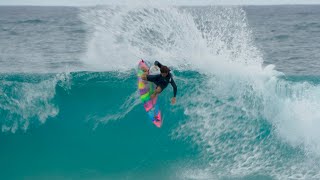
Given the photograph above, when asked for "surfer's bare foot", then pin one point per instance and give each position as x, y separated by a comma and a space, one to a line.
144, 69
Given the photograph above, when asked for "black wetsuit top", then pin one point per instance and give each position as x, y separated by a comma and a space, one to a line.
163, 81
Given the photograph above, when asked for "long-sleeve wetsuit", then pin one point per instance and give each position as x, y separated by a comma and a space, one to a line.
161, 81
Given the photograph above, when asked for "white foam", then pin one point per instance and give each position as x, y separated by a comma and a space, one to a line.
28, 103
238, 98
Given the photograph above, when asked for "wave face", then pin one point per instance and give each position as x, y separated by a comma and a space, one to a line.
80, 117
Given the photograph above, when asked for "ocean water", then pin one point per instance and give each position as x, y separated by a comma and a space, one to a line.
247, 105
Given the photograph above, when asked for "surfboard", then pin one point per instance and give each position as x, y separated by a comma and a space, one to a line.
145, 90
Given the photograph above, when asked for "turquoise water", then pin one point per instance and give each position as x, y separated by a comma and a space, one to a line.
80, 142
247, 103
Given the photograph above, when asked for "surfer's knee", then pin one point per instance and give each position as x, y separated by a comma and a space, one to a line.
159, 89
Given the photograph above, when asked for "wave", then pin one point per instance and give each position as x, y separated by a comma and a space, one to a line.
31, 21
241, 127
26, 99
240, 112
243, 117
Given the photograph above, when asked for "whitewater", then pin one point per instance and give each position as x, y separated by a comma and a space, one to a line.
247, 104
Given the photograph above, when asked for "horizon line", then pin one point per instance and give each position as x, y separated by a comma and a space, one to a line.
51, 5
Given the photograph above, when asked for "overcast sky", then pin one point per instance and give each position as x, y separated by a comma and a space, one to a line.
176, 2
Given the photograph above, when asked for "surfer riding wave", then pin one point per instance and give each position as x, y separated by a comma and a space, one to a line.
161, 80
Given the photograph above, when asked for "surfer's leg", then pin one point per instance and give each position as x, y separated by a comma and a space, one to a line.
156, 92
144, 76
151, 78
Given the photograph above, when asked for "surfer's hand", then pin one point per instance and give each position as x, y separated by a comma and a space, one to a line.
173, 100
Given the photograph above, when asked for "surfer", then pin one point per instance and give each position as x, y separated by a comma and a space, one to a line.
161, 80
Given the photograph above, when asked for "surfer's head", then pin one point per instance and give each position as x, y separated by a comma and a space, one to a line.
164, 71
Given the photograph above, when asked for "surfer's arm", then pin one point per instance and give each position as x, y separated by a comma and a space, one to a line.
157, 63
174, 86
